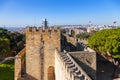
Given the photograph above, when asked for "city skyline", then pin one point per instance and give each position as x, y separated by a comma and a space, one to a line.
21, 13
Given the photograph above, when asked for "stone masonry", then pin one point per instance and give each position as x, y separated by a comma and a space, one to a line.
42, 58
40, 47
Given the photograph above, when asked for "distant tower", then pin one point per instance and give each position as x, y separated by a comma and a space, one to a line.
44, 26
115, 24
90, 23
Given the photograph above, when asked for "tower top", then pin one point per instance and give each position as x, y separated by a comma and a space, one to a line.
45, 24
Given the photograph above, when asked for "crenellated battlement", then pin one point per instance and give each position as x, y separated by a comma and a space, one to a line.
70, 69
35, 34
39, 29
40, 45
42, 60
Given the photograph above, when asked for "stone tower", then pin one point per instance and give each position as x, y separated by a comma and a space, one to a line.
40, 52
45, 24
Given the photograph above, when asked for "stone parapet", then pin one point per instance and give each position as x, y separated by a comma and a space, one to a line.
40, 30
86, 60
71, 40
19, 64
86, 48
70, 70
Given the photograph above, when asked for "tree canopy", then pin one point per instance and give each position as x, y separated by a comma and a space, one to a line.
10, 42
83, 35
3, 33
4, 47
107, 40
63, 31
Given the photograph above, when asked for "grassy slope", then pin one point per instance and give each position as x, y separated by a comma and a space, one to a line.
7, 70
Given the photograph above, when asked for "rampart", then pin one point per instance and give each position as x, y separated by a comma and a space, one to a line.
19, 64
71, 40
86, 59
67, 69
42, 58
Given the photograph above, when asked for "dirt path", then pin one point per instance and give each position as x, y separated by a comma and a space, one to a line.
7, 59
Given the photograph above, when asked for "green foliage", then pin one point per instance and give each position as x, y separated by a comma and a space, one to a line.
10, 42
4, 47
17, 41
7, 70
63, 31
82, 35
106, 40
3, 33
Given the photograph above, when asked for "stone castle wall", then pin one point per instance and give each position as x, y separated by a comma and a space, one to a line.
40, 46
44, 59
71, 40
67, 69
86, 59
19, 64
59, 67
84, 41
33, 44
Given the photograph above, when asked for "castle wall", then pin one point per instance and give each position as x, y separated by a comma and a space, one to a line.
17, 68
19, 64
51, 41
44, 61
33, 64
71, 40
86, 60
40, 46
66, 68
59, 68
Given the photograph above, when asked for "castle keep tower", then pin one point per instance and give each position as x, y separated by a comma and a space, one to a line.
40, 52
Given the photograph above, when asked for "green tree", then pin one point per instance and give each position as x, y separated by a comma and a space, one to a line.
107, 41
63, 31
15, 40
82, 35
3, 33
4, 47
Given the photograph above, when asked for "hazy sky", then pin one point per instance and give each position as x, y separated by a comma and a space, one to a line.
58, 12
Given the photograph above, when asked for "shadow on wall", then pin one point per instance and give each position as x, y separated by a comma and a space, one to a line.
79, 47
65, 45
106, 69
51, 75
91, 72
29, 77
